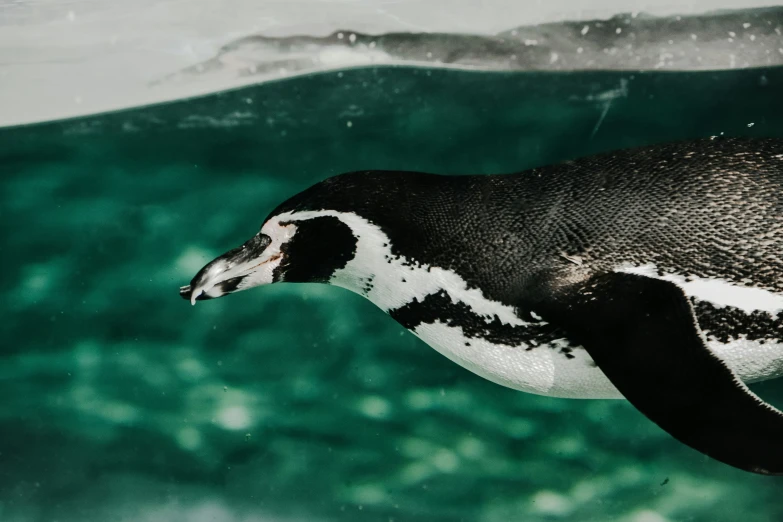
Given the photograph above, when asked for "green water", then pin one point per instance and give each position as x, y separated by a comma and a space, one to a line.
120, 402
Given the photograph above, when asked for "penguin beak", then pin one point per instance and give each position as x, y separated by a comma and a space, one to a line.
238, 269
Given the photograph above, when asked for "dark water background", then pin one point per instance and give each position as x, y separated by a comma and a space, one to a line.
120, 402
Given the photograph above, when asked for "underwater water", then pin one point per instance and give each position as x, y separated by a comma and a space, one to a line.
119, 401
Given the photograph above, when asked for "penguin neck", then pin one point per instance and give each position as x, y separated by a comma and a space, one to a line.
385, 277
375, 271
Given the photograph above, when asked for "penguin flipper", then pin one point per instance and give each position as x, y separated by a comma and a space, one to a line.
643, 334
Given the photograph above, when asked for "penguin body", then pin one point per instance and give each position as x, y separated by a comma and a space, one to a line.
654, 274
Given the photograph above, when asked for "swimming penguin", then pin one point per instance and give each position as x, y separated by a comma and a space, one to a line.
654, 274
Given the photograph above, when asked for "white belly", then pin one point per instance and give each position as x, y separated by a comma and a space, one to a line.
544, 370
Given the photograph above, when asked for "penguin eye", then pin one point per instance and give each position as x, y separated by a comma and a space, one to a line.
254, 247
258, 243
263, 241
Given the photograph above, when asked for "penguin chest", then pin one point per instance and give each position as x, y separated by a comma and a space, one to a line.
535, 357
525, 354
553, 368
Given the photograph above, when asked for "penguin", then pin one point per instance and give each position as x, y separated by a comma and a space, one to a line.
653, 274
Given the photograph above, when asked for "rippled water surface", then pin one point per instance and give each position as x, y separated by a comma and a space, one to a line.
121, 402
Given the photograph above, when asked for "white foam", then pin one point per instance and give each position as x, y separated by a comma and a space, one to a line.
346, 57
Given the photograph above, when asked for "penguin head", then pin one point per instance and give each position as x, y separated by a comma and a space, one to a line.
305, 239
354, 230
298, 247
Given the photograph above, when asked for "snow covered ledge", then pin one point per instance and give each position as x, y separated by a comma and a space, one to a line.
63, 59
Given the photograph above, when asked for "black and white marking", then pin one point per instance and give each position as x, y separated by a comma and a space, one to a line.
654, 274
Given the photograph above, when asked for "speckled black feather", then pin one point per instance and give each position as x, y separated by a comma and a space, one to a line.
707, 208
440, 307
727, 323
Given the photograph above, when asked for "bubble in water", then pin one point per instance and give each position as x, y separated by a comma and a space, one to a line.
376, 407
189, 438
234, 418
